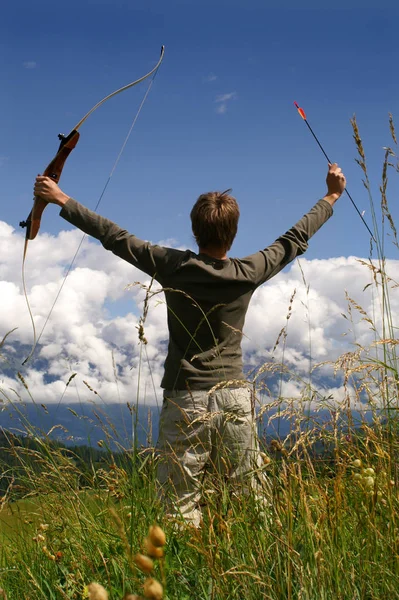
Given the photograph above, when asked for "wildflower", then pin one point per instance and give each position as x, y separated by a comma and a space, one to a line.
144, 563
357, 463
153, 589
39, 538
368, 482
157, 536
369, 472
43, 526
47, 552
265, 458
96, 591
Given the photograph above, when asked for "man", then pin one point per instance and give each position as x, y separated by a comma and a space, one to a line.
207, 419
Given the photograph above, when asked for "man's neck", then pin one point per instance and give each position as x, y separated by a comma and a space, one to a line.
218, 253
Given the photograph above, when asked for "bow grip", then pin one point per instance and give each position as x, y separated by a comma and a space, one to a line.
53, 170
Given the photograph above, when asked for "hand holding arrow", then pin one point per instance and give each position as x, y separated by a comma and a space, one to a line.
303, 115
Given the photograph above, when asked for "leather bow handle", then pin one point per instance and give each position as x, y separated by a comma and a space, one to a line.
53, 170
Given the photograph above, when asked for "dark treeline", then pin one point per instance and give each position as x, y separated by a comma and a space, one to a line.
20, 455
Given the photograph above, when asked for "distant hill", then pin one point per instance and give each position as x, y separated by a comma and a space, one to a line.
84, 424
114, 425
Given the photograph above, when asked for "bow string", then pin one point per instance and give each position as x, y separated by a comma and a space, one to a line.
54, 170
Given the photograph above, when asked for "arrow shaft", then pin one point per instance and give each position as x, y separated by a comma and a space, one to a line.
330, 161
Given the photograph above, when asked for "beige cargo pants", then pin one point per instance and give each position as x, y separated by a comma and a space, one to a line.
202, 432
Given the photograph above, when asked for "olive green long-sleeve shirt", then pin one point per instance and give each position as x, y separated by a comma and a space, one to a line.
207, 298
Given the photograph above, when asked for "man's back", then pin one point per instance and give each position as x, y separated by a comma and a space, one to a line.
207, 298
202, 427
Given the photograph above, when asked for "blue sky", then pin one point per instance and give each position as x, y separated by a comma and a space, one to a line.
220, 114
58, 60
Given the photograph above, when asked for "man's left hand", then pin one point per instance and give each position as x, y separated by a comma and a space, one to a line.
47, 189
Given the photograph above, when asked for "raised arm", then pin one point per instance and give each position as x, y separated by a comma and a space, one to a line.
336, 184
151, 259
294, 242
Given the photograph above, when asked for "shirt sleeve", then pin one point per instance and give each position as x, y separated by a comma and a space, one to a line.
153, 260
270, 261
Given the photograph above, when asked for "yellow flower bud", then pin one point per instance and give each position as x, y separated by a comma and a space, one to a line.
151, 550
157, 536
369, 472
144, 563
153, 589
368, 482
357, 463
97, 592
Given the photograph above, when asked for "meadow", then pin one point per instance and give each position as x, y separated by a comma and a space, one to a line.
331, 526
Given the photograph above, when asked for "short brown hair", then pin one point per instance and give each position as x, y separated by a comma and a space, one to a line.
214, 220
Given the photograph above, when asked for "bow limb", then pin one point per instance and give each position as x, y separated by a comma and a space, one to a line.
122, 89
68, 143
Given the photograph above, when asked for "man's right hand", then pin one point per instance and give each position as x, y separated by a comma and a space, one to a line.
336, 183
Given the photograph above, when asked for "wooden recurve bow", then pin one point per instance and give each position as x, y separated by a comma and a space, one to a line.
54, 170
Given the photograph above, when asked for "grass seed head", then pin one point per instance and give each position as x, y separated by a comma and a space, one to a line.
153, 589
144, 563
96, 591
157, 536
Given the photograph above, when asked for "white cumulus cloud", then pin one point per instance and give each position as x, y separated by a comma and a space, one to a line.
84, 335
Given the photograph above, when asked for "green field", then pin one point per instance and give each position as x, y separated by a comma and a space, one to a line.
329, 527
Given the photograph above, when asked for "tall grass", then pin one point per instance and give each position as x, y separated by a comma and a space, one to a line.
331, 529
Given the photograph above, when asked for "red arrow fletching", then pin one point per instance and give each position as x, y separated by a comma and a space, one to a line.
301, 111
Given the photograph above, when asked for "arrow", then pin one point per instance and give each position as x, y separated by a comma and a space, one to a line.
303, 115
